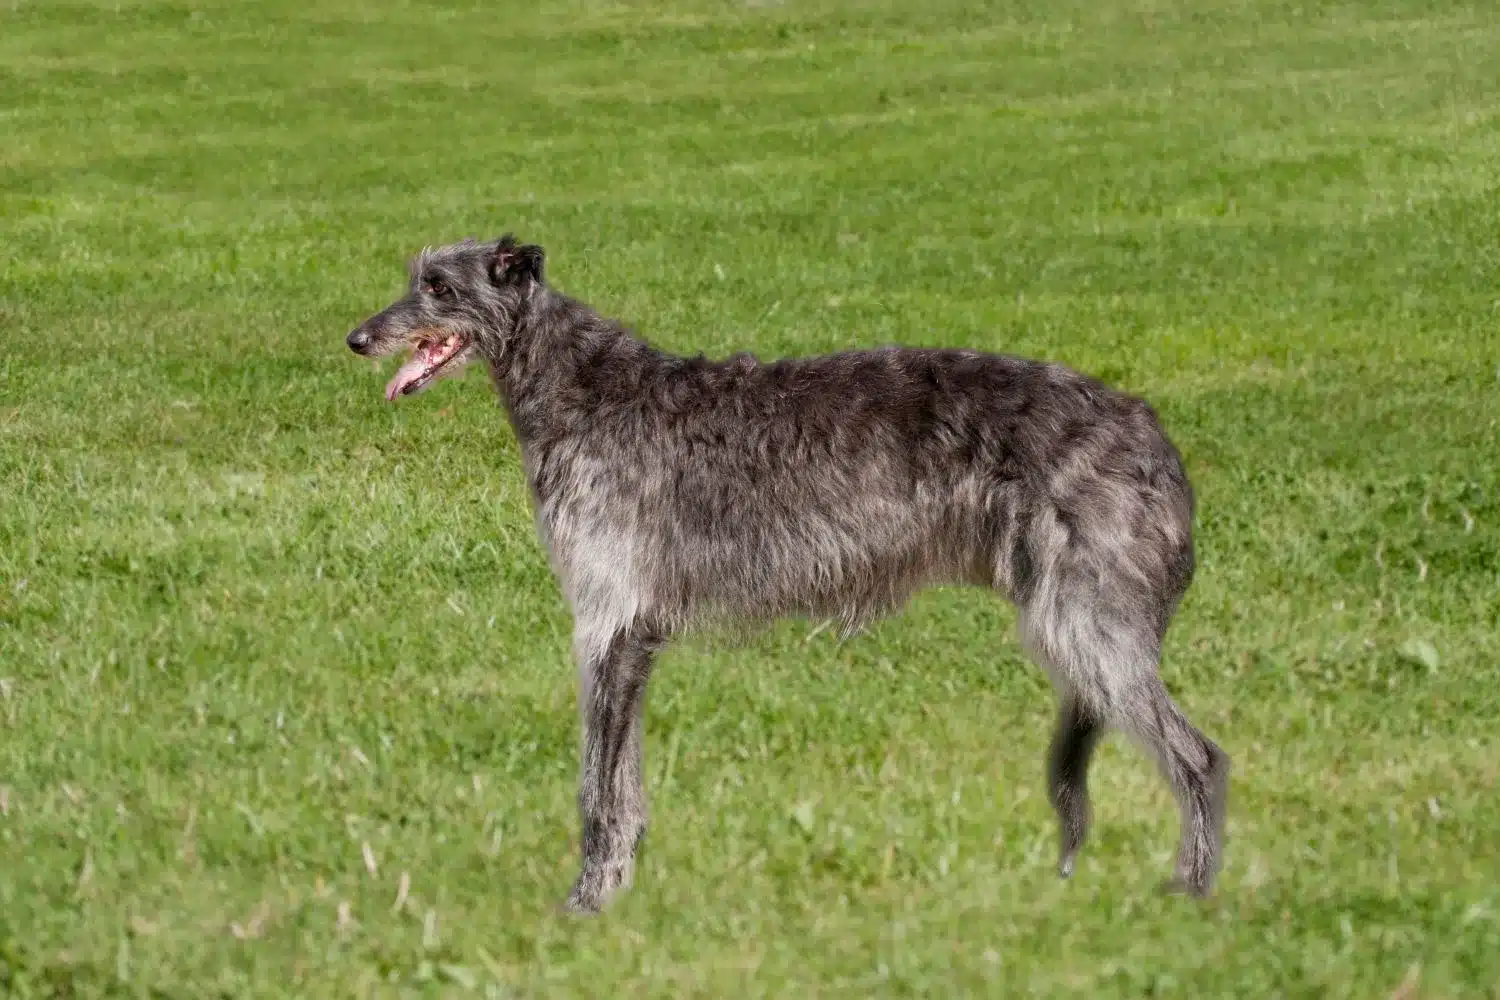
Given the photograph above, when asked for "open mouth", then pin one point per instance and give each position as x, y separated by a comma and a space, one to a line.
430, 358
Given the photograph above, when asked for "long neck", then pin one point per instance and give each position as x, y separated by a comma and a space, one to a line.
563, 362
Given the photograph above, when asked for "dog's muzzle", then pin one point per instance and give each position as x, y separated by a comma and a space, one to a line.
359, 340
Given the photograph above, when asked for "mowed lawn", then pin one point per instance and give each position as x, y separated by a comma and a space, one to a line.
286, 707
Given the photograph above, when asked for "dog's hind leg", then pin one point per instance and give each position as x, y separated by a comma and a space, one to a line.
613, 672
1077, 734
1106, 673
1198, 771
1099, 635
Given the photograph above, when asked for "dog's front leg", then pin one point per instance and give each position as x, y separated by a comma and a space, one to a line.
613, 673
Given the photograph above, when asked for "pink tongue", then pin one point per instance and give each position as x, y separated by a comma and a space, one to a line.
409, 373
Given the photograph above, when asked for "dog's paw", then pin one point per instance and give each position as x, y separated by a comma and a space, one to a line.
597, 883
1179, 886
581, 904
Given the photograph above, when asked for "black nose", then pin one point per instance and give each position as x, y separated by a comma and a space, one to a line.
358, 340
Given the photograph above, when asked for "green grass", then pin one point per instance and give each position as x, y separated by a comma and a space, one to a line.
252, 619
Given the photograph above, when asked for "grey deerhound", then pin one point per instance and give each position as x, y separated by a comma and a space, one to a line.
674, 491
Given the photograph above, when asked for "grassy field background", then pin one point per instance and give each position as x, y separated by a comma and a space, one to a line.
285, 699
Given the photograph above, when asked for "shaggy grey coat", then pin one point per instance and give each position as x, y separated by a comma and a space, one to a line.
670, 491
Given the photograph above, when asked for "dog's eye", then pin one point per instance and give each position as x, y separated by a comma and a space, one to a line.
437, 289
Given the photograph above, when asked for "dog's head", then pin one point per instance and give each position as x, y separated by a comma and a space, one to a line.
463, 301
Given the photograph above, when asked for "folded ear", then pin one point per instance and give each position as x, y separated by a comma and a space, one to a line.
515, 262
